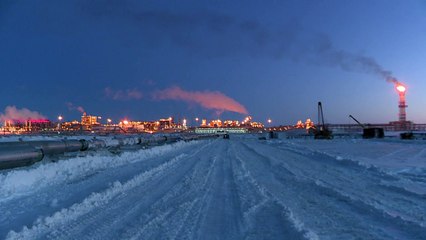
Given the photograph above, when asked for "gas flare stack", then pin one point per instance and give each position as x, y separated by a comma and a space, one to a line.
402, 116
402, 124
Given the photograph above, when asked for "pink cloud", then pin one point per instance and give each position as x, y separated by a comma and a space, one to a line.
127, 94
206, 99
11, 113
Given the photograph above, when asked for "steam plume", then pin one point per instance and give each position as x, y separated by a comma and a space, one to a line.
127, 94
11, 113
206, 99
72, 107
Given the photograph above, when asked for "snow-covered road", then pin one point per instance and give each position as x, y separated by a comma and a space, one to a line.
241, 188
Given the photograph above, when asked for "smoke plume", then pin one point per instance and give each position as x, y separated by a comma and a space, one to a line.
11, 113
203, 32
215, 34
123, 95
324, 52
72, 107
206, 99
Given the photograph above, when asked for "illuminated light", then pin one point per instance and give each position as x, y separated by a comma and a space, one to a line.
109, 120
400, 88
38, 121
269, 120
196, 119
125, 122
60, 118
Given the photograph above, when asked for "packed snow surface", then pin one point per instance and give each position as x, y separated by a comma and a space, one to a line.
242, 188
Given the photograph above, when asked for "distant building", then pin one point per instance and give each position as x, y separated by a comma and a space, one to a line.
166, 123
216, 130
215, 123
71, 126
89, 120
29, 125
204, 122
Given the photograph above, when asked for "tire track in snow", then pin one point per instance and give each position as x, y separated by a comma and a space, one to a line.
264, 216
366, 184
150, 205
87, 208
46, 200
186, 192
229, 189
29, 180
308, 199
221, 218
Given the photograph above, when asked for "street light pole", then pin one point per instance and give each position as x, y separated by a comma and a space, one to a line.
60, 122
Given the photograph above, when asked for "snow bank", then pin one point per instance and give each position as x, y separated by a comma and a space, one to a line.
95, 200
388, 154
24, 181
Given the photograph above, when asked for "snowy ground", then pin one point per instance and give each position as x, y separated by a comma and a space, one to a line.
242, 188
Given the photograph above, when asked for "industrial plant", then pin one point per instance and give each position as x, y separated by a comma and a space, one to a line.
93, 124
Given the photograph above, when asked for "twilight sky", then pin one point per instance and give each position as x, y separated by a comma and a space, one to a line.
268, 59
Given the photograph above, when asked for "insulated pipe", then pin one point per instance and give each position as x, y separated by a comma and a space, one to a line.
173, 139
155, 140
120, 141
50, 147
96, 144
207, 136
58, 147
18, 156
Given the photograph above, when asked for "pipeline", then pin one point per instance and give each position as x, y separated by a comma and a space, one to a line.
25, 153
49, 147
19, 156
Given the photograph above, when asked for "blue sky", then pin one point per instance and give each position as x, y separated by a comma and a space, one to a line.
276, 59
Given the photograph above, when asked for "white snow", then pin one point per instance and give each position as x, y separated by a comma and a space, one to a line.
241, 188
27, 180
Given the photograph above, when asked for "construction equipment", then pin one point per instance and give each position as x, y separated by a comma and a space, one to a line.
322, 132
407, 135
368, 132
273, 135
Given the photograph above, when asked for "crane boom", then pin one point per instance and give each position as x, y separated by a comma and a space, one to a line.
320, 116
362, 125
322, 132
